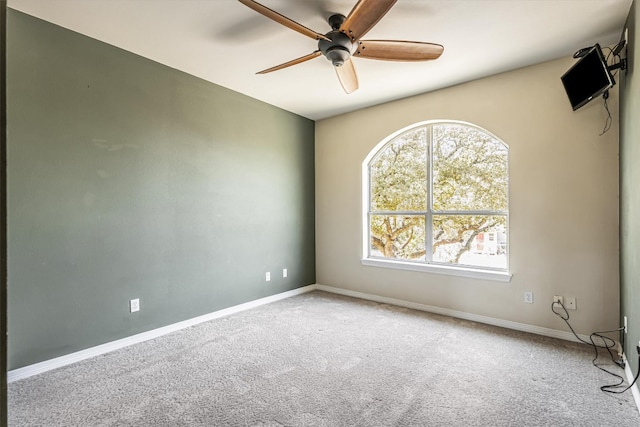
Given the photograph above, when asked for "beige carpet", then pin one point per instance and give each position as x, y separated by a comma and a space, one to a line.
324, 360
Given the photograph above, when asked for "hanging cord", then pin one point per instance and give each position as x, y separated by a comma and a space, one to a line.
605, 95
609, 55
607, 123
607, 343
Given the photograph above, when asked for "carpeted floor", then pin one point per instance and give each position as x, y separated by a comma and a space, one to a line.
325, 360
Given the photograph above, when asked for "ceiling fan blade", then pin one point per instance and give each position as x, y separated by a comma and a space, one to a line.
347, 76
364, 15
281, 19
397, 50
290, 63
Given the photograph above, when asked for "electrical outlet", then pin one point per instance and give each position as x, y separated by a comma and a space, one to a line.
267, 277
558, 298
134, 305
626, 35
284, 272
571, 303
625, 324
528, 297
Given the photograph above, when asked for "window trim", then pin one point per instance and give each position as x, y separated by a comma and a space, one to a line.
447, 270
428, 265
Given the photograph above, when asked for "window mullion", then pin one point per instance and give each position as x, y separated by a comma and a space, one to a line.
367, 241
477, 213
397, 212
429, 215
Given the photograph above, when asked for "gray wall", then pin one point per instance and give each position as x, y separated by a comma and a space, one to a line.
630, 191
3, 216
128, 179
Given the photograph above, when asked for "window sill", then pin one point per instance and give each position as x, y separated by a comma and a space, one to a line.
474, 273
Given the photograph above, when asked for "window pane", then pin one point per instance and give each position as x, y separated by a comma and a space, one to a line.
398, 174
475, 240
398, 236
469, 169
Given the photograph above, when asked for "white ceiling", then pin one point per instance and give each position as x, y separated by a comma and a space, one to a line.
225, 42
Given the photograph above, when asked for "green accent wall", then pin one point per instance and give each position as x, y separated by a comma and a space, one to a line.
129, 179
630, 191
3, 214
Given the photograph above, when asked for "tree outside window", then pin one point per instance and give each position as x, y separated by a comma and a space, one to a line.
438, 194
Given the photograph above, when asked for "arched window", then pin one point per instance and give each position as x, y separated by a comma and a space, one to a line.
436, 195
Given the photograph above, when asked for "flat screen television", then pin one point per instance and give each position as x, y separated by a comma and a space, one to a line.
587, 78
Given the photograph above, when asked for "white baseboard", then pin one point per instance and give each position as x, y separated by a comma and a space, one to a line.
458, 314
634, 389
38, 368
47, 365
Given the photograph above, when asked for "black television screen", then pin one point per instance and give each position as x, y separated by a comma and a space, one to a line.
587, 78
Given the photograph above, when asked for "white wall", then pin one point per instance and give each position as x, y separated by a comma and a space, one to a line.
563, 200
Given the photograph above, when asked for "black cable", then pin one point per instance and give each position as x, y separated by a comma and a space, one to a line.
605, 95
609, 55
607, 123
565, 317
607, 343
613, 387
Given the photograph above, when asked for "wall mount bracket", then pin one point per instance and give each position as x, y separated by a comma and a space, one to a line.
620, 65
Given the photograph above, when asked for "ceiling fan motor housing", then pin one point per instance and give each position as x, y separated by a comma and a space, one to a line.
338, 50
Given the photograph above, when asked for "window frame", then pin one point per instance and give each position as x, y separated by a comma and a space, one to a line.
428, 265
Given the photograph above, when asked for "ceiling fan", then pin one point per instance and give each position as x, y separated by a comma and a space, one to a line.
343, 41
